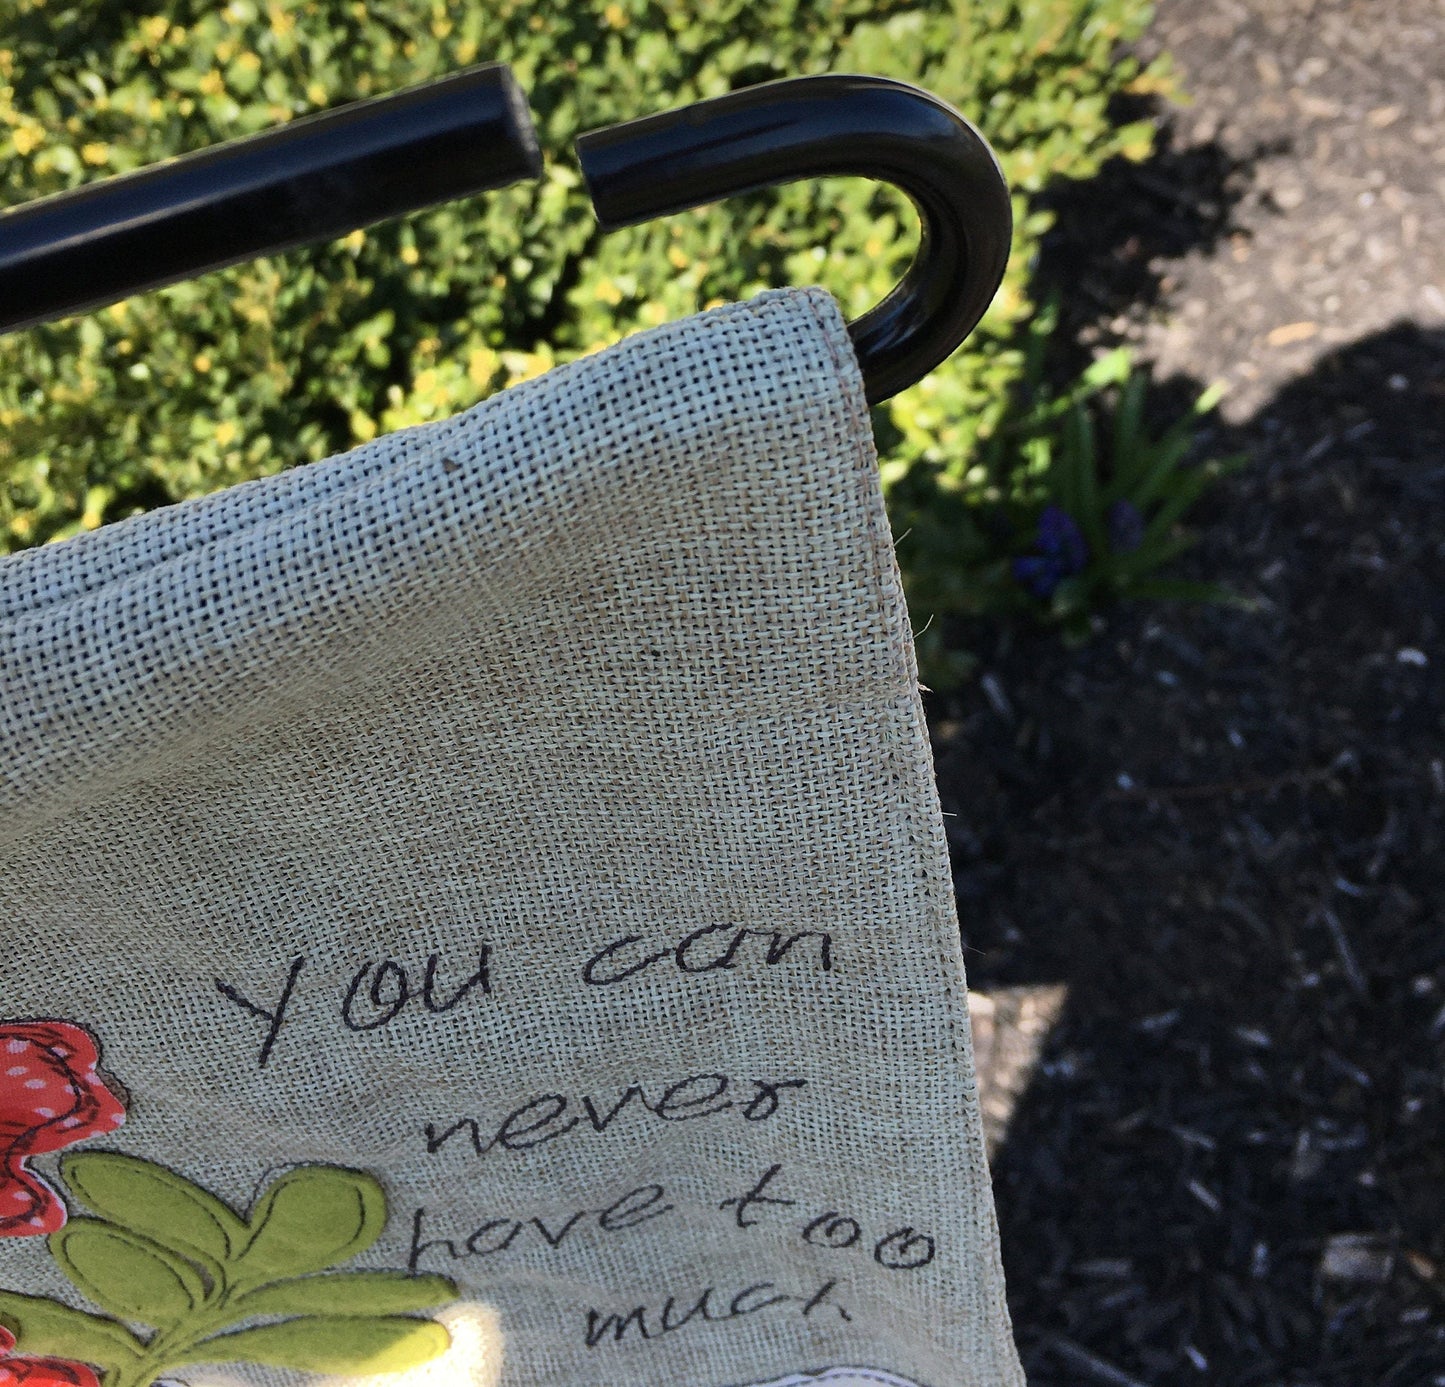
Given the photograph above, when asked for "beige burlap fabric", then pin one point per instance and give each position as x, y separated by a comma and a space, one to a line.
477, 909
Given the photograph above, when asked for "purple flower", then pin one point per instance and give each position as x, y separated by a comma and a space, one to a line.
1061, 538
1038, 574
1126, 527
1063, 553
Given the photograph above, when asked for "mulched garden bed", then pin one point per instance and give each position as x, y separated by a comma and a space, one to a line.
1223, 831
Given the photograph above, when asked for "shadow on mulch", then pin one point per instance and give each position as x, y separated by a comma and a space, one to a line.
1111, 233
1224, 831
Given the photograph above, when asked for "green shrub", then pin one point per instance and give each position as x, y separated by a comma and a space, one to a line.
292, 358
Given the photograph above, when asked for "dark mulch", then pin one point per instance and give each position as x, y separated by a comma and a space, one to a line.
1224, 831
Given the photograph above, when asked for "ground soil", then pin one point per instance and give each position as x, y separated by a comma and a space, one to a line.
1209, 846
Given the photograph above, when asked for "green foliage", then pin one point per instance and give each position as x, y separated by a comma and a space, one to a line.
292, 358
166, 1253
1073, 502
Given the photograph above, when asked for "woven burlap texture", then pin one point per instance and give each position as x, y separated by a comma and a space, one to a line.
619, 654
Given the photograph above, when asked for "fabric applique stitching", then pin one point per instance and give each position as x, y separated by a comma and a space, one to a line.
51, 1096
28, 1370
157, 1250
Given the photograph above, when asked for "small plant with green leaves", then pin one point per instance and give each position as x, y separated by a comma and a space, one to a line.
1106, 496
1074, 502
215, 1287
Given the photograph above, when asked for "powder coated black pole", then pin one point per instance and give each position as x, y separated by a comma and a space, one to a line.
316, 178
809, 127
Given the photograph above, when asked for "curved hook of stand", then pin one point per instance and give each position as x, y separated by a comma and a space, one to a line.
811, 127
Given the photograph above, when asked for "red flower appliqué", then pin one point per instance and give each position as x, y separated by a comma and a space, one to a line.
50, 1096
24, 1371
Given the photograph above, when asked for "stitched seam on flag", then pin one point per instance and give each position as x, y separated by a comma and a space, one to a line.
861, 435
905, 665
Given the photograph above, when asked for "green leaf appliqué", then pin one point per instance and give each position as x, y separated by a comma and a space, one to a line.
46, 1328
329, 1344
126, 1273
309, 1220
170, 1255
155, 1202
346, 1293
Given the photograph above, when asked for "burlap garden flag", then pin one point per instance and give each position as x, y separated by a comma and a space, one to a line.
476, 910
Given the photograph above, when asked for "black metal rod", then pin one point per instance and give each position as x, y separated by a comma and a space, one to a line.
318, 177
810, 127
